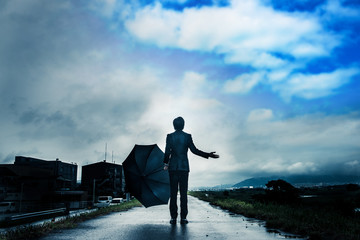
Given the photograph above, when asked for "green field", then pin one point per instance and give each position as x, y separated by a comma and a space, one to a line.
320, 213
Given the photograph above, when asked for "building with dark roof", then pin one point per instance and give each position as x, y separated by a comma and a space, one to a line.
65, 173
105, 177
35, 184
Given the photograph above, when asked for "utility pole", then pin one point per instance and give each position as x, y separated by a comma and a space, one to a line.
105, 150
94, 193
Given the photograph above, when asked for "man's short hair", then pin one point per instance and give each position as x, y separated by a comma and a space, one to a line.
179, 123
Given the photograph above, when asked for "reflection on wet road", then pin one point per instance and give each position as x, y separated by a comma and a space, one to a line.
205, 222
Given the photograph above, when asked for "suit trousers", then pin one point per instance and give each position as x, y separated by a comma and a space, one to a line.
178, 180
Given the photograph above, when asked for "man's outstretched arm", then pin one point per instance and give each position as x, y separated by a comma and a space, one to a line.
198, 152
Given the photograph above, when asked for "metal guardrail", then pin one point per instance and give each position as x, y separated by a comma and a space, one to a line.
26, 216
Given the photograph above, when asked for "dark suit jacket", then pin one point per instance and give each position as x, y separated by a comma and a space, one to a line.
177, 145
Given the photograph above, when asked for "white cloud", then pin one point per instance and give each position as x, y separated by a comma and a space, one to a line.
260, 115
336, 8
255, 58
193, 82
311, 86
278, 75
155, 25
296, 145
239, 29
302, 168
243, 83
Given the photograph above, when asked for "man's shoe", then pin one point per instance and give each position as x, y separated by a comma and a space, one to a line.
173, 221
184, 221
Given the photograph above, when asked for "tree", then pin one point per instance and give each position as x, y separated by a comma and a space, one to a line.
281, 191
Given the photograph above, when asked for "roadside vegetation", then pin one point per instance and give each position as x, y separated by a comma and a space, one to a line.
317, 213
37, 231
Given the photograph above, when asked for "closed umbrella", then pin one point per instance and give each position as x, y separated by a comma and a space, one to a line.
145, 177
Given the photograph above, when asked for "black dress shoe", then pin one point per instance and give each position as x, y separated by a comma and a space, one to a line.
184, 221
173, 221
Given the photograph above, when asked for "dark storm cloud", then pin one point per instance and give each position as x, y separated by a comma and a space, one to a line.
83, 123
61, 123
36, 117
58, 82
36, 35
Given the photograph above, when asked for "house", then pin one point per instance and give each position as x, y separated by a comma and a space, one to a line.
106, 178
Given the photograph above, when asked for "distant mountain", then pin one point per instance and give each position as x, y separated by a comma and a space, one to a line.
222, 186
301, 180
215, 188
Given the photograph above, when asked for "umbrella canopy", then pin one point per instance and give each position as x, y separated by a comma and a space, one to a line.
145, 177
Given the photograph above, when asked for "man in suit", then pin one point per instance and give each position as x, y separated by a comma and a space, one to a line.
177, 163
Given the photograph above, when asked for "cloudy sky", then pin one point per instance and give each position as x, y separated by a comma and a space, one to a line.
272, 86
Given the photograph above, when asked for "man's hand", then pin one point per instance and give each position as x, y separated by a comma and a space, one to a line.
166, 167
213, 155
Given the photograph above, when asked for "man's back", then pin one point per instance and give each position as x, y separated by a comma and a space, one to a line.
177, 145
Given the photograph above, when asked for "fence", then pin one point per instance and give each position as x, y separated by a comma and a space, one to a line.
28, 217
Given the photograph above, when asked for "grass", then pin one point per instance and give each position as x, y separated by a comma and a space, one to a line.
302, 218
37, 231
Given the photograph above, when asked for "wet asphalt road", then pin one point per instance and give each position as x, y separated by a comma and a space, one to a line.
205, 222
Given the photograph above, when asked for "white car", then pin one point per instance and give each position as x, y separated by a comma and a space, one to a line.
103, 201
6, 207
117, 200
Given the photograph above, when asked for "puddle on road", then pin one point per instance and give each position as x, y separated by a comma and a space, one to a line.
260, 223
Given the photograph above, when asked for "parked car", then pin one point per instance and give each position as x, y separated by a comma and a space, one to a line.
7, 207
117, 200
103, 201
